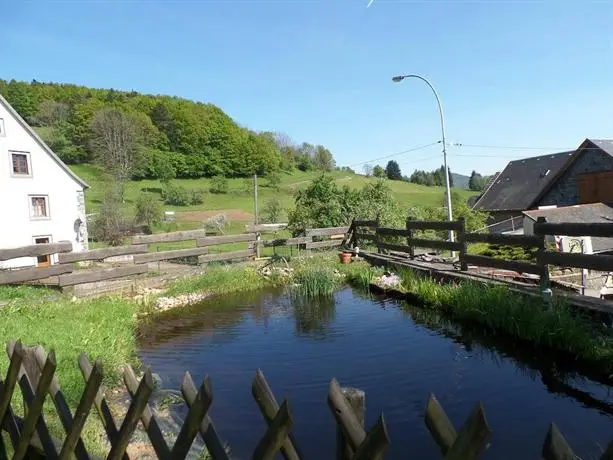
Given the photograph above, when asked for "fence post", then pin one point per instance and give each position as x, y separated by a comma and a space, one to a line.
463, 244
544, 275
308, 249
357, 400
377, 239
409, 238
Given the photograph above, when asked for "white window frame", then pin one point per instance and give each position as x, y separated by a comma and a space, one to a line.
29, 159
47, 208
2, 131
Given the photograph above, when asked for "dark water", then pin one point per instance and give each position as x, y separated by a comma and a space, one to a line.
397, 355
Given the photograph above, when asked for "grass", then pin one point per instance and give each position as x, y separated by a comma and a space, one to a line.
557, 327
237, 199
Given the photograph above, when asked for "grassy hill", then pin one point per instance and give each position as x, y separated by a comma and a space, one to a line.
238, 204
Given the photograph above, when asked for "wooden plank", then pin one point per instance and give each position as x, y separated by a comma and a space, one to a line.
102, 253
393, 231
214, 240
35, 250
148, 420
169, 237
284, 241
214, 445
602, 229
376, 443
439, 425
31, 274
326, 231
572, 259
555, 446
357, 400
526, 241
269, 408
472, 438
263, 228
16, 354
365, 236
324, 244
169, 255
275, 435
191, 425
513, 265
364, 223
345, 416
145, 388
421, 243
92, 276
225, 256
433, 225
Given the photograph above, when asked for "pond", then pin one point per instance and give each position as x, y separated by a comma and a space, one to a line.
397, 353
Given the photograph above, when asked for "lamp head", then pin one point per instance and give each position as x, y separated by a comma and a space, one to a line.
398, 78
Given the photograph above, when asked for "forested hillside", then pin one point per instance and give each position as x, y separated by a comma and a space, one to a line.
165, 136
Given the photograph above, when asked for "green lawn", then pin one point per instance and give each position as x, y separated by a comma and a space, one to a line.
239, 200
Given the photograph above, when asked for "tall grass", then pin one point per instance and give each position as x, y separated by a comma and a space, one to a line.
524, 317
222, 279
313, 281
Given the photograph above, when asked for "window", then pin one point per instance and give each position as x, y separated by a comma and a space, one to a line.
2, 133
20, 164
39, 207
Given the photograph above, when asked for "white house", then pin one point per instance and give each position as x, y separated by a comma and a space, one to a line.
41, 199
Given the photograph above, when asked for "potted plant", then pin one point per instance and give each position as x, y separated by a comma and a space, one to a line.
345, 257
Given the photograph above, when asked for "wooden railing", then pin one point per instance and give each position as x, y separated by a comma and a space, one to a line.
33, 372
139, 253
370, 233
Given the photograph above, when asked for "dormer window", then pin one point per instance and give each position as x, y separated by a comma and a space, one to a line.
20, 164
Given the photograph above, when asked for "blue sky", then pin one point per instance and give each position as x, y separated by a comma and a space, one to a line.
535, 74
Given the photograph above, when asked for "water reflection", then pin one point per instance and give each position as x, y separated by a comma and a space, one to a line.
314, 316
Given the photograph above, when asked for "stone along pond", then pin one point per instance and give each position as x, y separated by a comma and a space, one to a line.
396, 353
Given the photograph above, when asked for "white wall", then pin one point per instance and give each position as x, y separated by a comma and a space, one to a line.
47, 178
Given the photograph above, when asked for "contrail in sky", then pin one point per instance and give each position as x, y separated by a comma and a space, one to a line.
370, 3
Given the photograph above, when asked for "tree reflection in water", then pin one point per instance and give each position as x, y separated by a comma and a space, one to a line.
314, 315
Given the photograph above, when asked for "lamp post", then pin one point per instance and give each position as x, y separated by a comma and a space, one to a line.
398, 79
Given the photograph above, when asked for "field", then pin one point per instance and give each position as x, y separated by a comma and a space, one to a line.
238, 203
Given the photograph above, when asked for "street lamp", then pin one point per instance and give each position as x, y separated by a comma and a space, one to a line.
398, 79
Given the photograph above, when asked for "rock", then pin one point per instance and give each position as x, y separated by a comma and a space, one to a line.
389, 281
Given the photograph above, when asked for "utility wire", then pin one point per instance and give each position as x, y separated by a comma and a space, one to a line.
507, 147
414, 149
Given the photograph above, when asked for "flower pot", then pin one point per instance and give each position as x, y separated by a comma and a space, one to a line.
345, 257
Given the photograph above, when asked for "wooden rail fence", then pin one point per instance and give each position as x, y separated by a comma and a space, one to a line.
371, 233
140, 253
33, 372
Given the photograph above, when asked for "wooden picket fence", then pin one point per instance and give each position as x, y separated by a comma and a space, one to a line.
33, 371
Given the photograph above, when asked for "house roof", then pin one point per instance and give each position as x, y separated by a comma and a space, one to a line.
606, 145
42, 143
594, 212
523, 181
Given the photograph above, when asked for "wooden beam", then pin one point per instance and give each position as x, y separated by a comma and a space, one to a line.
433, 225
602, 229
420, 243
284, 241
326, 231
35, 250
226, 256
513, 265
365, 236
393, 231
92, 276
324, 244
32, 274
102, 253
169, 237
587, 261
263, 228
527, 241
214, 240
168, 255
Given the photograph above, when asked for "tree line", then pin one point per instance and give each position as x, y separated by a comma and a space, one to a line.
154, 136
392, 172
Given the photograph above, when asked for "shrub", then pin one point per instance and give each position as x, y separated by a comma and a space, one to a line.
273, 181
197, 196
219, 184
148, 210
109, 223
175, 195
272, 211
247, 187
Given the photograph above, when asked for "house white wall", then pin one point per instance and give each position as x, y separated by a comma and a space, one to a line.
47, 178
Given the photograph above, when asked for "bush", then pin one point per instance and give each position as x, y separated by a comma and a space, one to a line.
273, 181
109, 223
219, 184
247, 187
148, 210
197, 196
272, 211
175, 195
